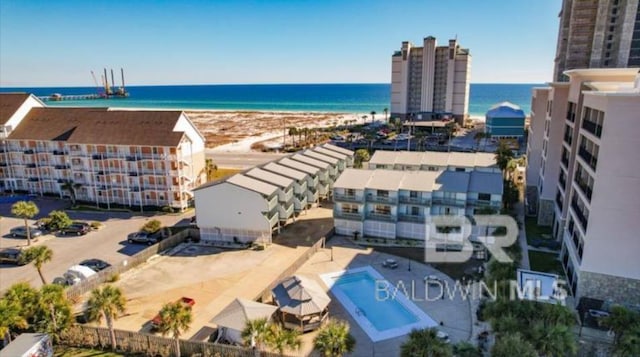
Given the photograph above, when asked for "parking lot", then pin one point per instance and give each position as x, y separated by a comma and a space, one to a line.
108, 244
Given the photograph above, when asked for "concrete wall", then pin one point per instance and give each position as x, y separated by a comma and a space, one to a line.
615, 203
536, 135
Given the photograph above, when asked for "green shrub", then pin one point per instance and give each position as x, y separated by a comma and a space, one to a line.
96, 225
113, 278
58, 220
167, 209
151, 226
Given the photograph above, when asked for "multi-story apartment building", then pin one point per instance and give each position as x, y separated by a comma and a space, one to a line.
430, 81
399, 204
591, 169
259, 201
597, 34
433, 161
131, 158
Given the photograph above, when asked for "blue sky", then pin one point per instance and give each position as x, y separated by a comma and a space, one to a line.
58, 43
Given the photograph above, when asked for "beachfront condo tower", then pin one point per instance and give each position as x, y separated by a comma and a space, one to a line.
430, 82
597, 34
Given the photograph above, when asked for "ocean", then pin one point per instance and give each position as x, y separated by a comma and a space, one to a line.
349, 98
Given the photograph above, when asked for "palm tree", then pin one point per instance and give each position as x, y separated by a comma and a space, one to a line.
210, 168
71, 187
512, 344
25, 210
334, 339
25, 297
364, 119
106, 303
512, 166
555, 340
281, 339
620, 320
176, 318
256, 332
466, 349
361, 155
39, 255
292, 133
425, 343
10, 318
503, 156
386, 112
373, 116
629, 343
54, 310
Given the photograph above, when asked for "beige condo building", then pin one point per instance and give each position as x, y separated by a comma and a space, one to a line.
584, 167
133, 158
430, 81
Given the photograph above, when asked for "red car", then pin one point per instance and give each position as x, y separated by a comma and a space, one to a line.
157, 320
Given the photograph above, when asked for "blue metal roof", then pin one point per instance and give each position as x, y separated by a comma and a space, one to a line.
505, 110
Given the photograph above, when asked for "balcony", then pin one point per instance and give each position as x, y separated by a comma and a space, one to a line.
300, 202
592, 127
272, 217
581, 216
381, 199
381, 217
59, 153
272, 202
133, 158
348, 215
285, 212
347, 198
31, 166
565, 161
411, 218
484, 203
448, 201
98, 157
415, 200
29, 152
588, 157
568, 138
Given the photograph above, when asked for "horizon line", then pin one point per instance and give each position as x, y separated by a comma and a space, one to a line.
244, 84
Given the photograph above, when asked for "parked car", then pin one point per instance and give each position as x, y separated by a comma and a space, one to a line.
77, 228
443, 336
157, 320
544, 243
21, 232
433, 280
12, 256
95, 264
144, 237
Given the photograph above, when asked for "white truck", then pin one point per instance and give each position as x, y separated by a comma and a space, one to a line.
77, 273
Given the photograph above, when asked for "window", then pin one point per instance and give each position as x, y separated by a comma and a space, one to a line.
350, 192
382, 209
415, 211
382, 193
484, 196
349, 208
460, 169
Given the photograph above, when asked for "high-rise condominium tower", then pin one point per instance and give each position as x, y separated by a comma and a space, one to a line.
432, 80
597, 34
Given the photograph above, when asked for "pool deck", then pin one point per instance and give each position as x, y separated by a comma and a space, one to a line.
455, 314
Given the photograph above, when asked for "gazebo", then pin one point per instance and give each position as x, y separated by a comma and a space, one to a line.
233, 318
302, 302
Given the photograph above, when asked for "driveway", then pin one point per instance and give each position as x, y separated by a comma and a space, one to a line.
108, 244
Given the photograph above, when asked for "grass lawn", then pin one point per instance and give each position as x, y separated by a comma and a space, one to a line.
63, 351
535, 231
545, 262
221, 173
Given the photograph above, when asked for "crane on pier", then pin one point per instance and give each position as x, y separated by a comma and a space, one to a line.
98, 88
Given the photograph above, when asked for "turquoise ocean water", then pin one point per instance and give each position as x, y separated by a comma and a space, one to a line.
358, 98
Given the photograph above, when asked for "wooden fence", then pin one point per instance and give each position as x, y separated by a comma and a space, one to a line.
129, 342
295, 265
76, 291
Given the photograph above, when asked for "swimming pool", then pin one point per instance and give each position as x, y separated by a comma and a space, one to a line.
381, 314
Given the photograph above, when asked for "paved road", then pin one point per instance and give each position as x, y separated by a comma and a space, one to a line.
240, 160
108, 244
